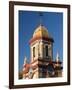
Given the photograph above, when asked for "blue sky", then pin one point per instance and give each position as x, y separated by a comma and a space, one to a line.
28, 22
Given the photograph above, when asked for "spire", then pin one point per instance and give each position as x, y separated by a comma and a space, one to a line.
25, 60
57, 57
40, 15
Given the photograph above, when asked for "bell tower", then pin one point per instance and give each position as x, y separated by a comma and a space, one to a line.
41, 46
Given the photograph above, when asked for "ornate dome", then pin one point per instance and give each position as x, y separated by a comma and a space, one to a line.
40, 31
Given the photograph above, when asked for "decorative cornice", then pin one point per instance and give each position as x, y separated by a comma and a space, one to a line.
45, 60
43, 38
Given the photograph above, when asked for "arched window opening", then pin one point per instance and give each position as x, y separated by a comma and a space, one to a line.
46, 49
33, 51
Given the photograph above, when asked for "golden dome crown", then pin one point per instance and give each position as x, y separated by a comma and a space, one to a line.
40, 31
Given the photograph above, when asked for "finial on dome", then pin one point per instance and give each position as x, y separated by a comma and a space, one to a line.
40, 14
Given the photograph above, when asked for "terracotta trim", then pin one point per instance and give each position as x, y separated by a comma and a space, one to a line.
44, 38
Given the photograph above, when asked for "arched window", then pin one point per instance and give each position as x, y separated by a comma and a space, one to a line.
46, 49
33, 51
